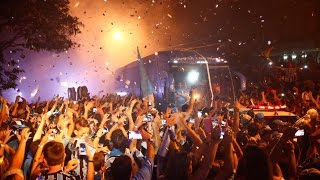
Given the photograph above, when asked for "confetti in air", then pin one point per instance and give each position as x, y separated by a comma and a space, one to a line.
35, 91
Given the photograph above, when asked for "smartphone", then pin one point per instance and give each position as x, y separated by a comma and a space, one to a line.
94, 110
135, 135
105, 130
207, 123
149, 103
221, 134
82, 149
19, 123
223, 129
163, 121
300, 132
147, 118
214, 124
191, 120
199, 114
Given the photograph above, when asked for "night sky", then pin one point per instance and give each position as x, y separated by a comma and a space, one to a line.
114, 28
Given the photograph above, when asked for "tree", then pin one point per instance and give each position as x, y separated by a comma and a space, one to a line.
35, 25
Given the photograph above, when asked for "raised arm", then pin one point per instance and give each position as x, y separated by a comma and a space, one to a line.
192, 134
18, 158
129, 114
90, 170
236, 121
209, 150
87, 107
40, 128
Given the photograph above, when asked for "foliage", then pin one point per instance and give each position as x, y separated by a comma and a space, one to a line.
35, 25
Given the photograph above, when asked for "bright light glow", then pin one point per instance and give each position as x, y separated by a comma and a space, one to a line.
282, 94
201, 62
64, 84
294, 56
270, 63
196, 96
271, 107
122, 93
117, 36
175, 61
305, 66
193, 76
285, 57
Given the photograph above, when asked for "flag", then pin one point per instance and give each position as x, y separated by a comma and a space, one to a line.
146, 87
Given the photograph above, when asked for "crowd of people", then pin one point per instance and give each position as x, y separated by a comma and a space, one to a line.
113, 137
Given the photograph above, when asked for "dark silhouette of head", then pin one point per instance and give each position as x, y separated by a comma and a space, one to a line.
255, 164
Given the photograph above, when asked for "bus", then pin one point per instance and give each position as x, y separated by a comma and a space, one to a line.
174, 73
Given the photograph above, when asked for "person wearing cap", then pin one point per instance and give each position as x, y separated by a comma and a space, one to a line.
278, 125
266, 133
259, 120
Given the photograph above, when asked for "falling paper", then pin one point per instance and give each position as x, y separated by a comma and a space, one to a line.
35, 91
77, 4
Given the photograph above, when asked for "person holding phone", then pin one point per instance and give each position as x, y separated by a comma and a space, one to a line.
121, 168
54, 156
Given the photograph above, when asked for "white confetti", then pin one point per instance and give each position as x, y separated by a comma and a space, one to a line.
169, 15
35, 91
77, 4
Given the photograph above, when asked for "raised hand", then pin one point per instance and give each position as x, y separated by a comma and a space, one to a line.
145, 135
228, 135
216, 133
89, 105
24, 135
7, 136
72, 164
